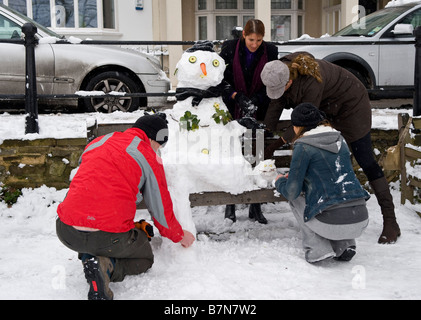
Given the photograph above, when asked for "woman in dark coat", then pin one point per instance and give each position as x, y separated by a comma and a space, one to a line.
299, 78
245, 59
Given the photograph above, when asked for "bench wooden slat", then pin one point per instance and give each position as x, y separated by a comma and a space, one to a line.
222, 198
412, 153
414, 182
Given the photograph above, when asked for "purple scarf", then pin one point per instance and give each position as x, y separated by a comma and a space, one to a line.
240, 83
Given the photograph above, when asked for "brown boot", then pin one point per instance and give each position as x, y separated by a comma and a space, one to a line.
391, 230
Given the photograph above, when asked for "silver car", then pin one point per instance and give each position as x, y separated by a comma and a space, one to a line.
77, 68
379, 49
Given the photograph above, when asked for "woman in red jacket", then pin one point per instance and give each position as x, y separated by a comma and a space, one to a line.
96, 219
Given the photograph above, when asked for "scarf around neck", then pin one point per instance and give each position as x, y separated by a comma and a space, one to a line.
240, 82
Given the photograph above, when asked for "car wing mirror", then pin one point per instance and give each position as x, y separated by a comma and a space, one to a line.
403, 29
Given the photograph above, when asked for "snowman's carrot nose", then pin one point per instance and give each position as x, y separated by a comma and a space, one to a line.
203, 67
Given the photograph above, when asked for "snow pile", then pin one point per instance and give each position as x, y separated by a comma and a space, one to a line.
59, 126
50, 126
202, 154
397, 3
62, 126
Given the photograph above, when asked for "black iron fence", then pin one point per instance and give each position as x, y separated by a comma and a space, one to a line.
31, 97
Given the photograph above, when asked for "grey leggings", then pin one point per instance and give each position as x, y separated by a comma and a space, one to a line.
319, 246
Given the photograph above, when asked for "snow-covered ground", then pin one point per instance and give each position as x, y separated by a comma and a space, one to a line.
238, 261
241, 261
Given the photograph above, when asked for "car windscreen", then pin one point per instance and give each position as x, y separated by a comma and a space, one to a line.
370, 25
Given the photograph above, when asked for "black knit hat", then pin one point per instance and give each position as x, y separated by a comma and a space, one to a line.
201, 45
155, 126
307, 115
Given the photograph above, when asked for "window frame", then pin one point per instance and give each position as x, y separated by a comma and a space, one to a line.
211, 13
100, 17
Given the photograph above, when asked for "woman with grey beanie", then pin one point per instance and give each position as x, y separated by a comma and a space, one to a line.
325, 196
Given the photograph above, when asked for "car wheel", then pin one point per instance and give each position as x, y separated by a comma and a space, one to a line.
359, 76
112, 81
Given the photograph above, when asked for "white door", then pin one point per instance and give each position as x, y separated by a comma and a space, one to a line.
397, 54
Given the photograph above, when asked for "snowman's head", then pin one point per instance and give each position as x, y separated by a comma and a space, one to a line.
200, 69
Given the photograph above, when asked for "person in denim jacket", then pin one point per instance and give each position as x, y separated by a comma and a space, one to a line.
323, 191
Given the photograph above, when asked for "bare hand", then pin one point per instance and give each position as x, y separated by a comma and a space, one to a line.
188, 239
282, 176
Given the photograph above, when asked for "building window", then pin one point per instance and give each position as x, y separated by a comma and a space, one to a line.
246, 18
88, 14
217, 18
287, 21
281, 28
224, 26
108, 11
226, 4
281, 4
41, 12
91, 14
248, 4
202, 5
203, 28
18, 5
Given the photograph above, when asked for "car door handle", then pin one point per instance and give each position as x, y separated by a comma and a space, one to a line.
63, 80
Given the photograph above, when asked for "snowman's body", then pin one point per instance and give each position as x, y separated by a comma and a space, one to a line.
211, 157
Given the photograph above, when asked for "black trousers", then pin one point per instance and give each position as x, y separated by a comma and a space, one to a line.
131, 250
363, 152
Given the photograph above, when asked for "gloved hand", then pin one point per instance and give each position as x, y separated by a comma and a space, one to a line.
251, 123
145, 227
246, 104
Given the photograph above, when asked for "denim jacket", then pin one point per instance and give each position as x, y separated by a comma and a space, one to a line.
321, 168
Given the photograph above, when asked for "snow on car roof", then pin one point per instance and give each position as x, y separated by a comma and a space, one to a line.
397, 3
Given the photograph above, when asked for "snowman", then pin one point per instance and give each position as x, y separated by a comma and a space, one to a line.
204, 151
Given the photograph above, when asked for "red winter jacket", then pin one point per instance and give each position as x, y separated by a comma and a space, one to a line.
117, 171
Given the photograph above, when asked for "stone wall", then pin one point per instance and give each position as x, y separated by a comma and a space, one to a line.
33, 163
382, 140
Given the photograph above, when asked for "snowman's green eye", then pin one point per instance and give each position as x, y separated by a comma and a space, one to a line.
216, 63
192, 59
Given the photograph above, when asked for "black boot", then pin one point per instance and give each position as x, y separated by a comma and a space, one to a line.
98, 272
255, 212
230, 212
391, 230
347, 255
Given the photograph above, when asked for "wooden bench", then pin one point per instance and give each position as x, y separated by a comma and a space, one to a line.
282, 160
409, 153
207, 199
